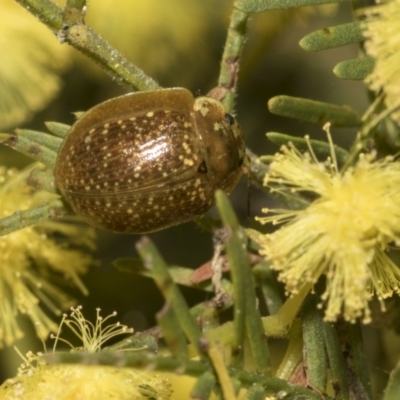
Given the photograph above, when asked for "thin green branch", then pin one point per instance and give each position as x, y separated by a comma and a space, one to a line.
264, 5
118, 67
92, 45
230, 59
46, 11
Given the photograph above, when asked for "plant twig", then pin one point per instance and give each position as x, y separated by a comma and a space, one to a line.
89, 43
227, 81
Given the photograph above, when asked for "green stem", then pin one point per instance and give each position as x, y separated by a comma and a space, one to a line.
278, 325
46, 11
117, 66
230, 59
89, 43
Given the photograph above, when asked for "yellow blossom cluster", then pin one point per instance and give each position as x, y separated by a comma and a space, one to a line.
382, 32
38, 380
30, 258
348, 223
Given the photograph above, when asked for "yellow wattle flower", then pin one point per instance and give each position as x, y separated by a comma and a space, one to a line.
382, 33
37, 380
344, 233
30, 258
31, 63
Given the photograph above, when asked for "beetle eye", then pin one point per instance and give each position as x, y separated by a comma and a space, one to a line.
202, 168
229, 119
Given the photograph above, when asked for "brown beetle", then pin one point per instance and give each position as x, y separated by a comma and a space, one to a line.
145, 161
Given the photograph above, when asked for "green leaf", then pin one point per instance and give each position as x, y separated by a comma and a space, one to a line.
22, 219
336, 361
58, 129
329, 38
246, 311
314, 346
155, 264
30, 148
180, 275
265, 5
140, 340
317, 112
356, 69
359, 360
43, 139
204, 386
267, 159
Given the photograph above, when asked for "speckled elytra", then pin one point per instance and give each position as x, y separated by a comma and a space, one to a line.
145, 161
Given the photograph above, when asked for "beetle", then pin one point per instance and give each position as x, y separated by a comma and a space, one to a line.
145, 161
